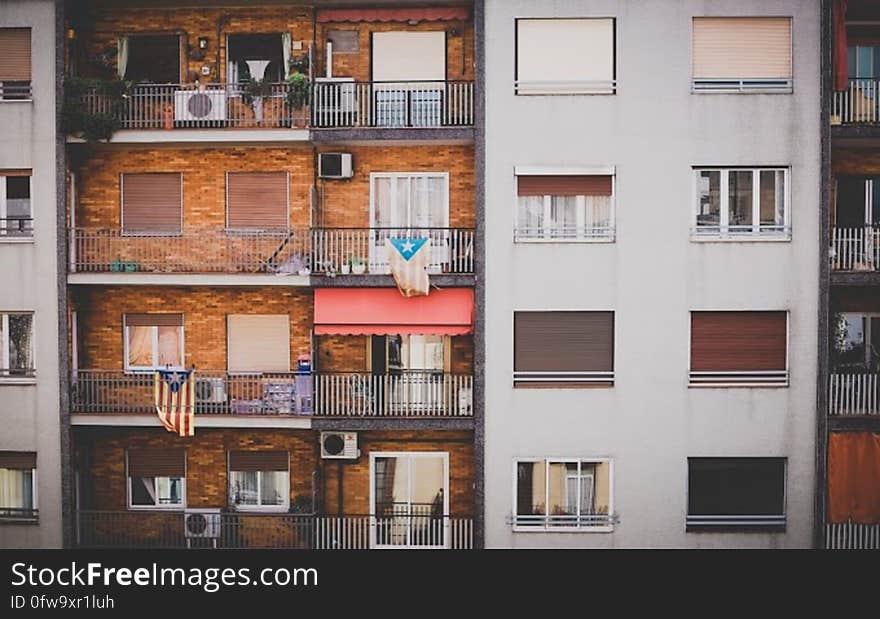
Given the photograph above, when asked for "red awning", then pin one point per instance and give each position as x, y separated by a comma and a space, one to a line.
384, 311
394, 15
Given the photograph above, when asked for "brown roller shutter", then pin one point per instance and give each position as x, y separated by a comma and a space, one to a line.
157, 463
562, 185
15, 54
256, 199
10, 172
259, 461
738, 341
563, 341
151, 203
19, 460
154, 320
742, 47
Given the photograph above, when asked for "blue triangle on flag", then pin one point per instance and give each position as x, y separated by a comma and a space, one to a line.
408, 247
174, 378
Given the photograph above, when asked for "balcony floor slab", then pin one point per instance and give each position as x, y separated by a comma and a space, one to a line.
187, 279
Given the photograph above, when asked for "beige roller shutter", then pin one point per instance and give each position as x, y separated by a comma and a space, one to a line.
256, 200
742, 47
409, 56
15, 54
258, 343
152, 203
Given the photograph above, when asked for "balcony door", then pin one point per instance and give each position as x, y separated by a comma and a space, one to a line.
409, 73
409, 500
856, 342
858, 201
415, 365
409, 205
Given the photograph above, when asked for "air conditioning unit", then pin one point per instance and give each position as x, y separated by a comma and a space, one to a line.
200, 105
202, 523
335, 165
339, 446
210, 390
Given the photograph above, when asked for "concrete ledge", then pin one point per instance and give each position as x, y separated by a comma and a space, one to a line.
405, 423
198, 136
452, 135
202, 421
386, 281
854, 424
851, 278
187, 279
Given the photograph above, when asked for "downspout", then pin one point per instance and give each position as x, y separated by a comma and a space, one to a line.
221, 21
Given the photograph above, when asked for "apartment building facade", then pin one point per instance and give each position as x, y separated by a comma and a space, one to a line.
240, 223
652, 183
31, 466
848, 496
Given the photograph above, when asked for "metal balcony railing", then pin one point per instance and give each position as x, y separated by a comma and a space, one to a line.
239, 530
855, 249
349, 104
364, 250
193, 250
854, 394
858, 104
852, 536
16, 227
15, 91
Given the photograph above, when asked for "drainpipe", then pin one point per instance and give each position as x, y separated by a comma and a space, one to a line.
221, 21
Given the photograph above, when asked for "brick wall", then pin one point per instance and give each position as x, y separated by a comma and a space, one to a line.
100, 312
347, 203
110, 23
459, 49
204, 180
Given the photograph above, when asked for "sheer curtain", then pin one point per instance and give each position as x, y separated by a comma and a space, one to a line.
286, 41
121, 56
15, 489
140, 346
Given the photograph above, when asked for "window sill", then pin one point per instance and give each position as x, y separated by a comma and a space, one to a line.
156, 508
721, 385
539, 385
28, 100
20, 520
744, 238
15, 240
24, 380
596, 529
254, 509
551, 240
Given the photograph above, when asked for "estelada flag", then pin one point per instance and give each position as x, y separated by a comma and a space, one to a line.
175, 392
409, 265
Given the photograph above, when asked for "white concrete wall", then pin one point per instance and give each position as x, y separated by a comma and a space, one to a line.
654, 130
29, 414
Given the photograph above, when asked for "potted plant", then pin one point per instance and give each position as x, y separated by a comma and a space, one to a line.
358, 265
299, 95
253, 92
346, 267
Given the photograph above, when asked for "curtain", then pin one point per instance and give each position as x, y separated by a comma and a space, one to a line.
169, 347
841, 80
20, 344
140, 346
286, 41
854, 477
15, 490
121, 56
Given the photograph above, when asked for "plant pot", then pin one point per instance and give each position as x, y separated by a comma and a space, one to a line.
346, 269
358, 269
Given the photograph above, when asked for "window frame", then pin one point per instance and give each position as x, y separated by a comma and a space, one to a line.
723, 231
610, 235
259, 508
27, 235
728, 523
562, 88
609, 520
32, 515
30, 374
148, 369
20, 91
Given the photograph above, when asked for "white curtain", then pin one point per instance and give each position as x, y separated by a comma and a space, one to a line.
286, 41
13, 494
121, 56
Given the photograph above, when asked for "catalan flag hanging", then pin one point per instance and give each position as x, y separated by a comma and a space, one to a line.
175, 392
409, 265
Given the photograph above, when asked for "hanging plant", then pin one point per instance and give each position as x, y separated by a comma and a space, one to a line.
92, 107
254, 90
299, 91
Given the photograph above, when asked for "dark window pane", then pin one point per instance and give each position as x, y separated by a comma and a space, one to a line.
850, 208
736, 486
153, 58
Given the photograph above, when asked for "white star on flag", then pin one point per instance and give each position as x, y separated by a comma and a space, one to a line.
407, 246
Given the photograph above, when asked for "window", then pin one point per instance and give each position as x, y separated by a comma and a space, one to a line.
16, 216
16, 345
344, 41
15, 64
855, 341
18, 485
149, 58
152, 204
741, 54
409, 74
742, 202
256, 56
863, 62
156, 479
259, 480
409, 499
857, 202
563, 349
739, 349
553, 494
258, 343
564, 207
257, 200
416, 366
565, 57
153, 341
734, 493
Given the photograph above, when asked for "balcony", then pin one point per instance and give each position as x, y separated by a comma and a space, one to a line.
356, 251
852, 536
348, 104
193, 251
405, 395
855, 249
237, 530
854, 394
858, 104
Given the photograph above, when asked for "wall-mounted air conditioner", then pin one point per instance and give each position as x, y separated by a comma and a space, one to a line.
210, 389
201, 523
339, 446
196, 106
335, 165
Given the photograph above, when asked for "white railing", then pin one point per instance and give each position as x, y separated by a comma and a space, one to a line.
858, 104
191, 106
855, 249
741, 84
852, 536
769, 378
342, 104
562, 234
854, 394
364, 250
565, 87
410, 394
192, 250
